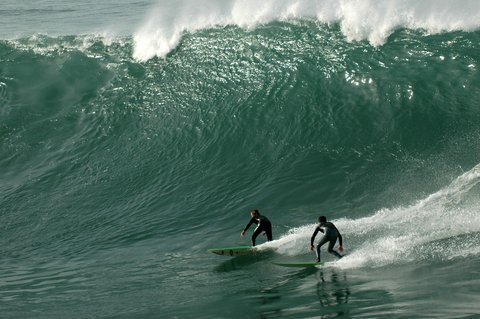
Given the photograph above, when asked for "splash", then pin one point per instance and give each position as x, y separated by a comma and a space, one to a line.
442, 226
372, 20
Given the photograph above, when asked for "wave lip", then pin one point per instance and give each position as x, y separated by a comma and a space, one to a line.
359, 20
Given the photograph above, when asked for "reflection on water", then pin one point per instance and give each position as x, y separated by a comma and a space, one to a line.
332, 289
311, 292
259, 289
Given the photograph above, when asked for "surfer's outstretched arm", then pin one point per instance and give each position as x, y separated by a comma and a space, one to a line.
253, 220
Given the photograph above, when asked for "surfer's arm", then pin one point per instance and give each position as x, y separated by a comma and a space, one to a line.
248, 226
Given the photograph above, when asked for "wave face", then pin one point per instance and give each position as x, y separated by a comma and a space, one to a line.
124, 158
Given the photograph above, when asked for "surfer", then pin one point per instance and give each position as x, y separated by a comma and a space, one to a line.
330, 235
263, 225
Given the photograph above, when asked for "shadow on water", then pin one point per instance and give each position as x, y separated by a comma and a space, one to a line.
239, 262
302, 273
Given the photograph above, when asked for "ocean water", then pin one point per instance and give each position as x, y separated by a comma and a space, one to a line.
136, 135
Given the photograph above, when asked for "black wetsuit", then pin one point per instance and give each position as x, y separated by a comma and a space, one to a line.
263, 224
330, 234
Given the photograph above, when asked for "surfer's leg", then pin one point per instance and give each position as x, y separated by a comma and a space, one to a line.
322, 241
257, 232
331, 244
268, 231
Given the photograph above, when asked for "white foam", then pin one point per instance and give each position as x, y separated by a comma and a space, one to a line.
373, 20
444, 225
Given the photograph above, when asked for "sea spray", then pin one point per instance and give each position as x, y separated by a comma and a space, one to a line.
430, 228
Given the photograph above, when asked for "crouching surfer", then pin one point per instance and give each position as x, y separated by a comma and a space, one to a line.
263, 225
330, 235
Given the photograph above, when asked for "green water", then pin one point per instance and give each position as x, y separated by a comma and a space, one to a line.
117, 174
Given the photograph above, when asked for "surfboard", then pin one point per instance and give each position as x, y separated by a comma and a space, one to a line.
234, 251
298, 264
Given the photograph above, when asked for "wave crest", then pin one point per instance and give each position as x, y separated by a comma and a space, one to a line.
370, 20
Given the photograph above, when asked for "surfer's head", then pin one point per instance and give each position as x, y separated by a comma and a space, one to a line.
322, 219
254, 213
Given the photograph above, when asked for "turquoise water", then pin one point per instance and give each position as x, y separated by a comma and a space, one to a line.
135, 135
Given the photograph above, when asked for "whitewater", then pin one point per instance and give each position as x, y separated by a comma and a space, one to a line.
359, 20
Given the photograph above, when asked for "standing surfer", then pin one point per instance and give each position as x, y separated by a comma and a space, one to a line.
330, 235
263, 224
